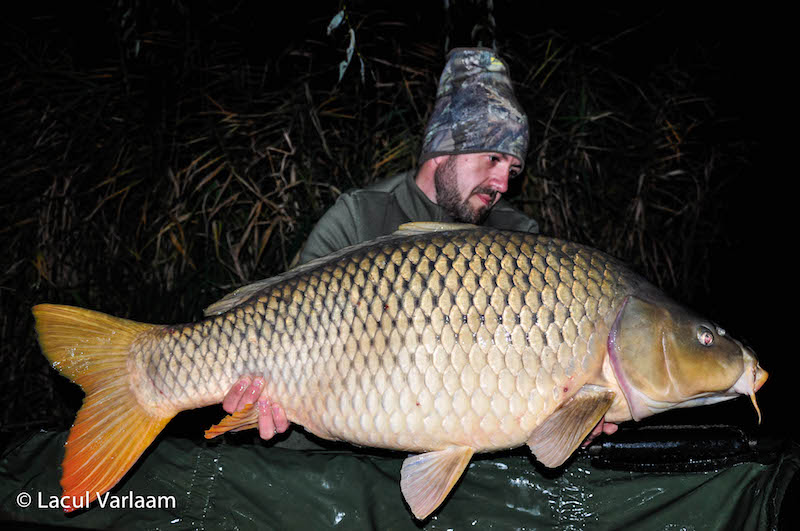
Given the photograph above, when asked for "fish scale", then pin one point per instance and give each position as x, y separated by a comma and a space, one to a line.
443, 339
444, 342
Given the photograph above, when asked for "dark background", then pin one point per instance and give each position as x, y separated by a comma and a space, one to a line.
739, 58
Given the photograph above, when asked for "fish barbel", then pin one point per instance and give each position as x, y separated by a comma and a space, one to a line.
438, 340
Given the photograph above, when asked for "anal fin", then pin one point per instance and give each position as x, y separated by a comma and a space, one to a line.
244, 419
426, 479
553, 441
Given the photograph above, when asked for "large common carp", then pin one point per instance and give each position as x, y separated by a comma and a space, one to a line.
438, 342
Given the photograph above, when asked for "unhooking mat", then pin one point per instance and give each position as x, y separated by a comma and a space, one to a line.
196, 484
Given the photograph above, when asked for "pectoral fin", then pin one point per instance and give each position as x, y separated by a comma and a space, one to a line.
553, 441
244, 419
426, 479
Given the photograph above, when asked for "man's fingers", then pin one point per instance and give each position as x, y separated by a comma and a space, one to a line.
279, 418
231, 401
252, 393
266, 425
242, 393
609, 428
602, 427
271, 417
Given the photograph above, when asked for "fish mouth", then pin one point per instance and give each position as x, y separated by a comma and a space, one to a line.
752, 379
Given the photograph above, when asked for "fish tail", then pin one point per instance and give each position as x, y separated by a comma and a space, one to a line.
112, 429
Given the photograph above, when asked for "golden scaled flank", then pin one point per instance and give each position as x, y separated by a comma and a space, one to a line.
413, 347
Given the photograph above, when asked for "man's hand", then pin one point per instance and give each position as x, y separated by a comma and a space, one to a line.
602, 427
271, 417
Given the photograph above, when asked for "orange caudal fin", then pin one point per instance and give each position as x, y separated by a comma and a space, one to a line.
112, 429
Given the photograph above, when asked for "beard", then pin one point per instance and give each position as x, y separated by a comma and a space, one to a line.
448, 197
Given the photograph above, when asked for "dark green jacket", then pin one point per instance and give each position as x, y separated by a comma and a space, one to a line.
364, 214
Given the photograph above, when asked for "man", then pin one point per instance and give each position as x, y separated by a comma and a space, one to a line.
474, 143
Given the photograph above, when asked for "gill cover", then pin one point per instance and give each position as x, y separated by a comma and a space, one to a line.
664, 357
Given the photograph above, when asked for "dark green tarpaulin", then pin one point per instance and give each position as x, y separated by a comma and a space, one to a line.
224, 485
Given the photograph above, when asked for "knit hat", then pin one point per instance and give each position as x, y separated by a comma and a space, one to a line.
475, 110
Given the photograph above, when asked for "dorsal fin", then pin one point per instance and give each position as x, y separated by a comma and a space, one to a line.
240, 295
423, 227
235, 298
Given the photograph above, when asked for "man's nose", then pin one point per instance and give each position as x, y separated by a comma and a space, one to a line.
498, 180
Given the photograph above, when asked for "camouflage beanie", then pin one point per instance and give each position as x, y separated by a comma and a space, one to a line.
475, 110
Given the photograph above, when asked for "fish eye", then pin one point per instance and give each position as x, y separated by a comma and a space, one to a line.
705, 336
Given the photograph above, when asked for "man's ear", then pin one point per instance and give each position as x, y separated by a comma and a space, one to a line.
425, 175
436, 161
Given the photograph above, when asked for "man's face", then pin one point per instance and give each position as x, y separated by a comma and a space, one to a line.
469, 185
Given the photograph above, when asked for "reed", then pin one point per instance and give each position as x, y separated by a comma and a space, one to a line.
152, 179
